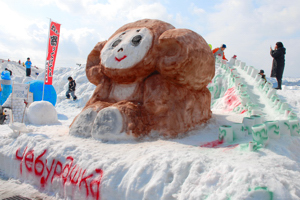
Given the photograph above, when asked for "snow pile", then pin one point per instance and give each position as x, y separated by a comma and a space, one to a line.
198, 166
41, 113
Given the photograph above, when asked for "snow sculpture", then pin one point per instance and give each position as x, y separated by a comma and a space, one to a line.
284, 126
225, 133
41, 113
273, 129
259, 134
150, 76
238, 130
36, 87
6, 86
294, 127
248, 123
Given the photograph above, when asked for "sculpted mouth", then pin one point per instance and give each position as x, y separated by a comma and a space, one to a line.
119, 59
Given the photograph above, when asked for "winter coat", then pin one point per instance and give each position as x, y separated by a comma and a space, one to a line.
28, 64
218, 51
278, 62
72, 85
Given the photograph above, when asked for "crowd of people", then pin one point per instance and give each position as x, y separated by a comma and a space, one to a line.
278, 55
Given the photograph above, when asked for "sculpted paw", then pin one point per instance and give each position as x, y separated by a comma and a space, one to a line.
108, 124
82, 126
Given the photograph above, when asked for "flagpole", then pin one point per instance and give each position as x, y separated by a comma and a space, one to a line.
46, 65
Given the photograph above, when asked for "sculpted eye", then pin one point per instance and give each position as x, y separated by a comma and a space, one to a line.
136, 40
116, 43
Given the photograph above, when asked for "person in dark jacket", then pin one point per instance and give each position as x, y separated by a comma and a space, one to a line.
278, 55
263, 76
72, 87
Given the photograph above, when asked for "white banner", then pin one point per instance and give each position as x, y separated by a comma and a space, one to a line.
20, 91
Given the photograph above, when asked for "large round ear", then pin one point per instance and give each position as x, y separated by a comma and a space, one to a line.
93, 64
185, 58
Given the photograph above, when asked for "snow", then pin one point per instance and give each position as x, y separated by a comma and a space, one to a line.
190, 167
41, 113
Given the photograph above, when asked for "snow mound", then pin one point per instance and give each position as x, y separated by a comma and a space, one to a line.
42, 113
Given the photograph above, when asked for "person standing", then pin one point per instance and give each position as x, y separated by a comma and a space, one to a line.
28, 67
278, 63
72, 87
220, 52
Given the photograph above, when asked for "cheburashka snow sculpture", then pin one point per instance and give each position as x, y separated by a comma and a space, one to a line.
150, 76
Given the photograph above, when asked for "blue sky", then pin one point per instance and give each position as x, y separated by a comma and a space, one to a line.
247, 27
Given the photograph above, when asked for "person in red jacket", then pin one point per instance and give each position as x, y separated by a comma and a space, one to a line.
220, 52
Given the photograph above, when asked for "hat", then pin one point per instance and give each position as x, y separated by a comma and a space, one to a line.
261, 71
70, 78
279, 44
234, 56
223, 46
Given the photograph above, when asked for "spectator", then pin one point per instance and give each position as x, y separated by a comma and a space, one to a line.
72, 87
263, 76
9, 71
278, 55
19, 62
28, 67
220, 52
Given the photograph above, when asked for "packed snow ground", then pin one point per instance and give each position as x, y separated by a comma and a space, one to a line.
152, 168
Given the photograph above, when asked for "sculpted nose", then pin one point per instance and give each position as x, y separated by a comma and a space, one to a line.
121, 49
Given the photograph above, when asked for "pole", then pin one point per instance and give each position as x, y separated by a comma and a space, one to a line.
46, 64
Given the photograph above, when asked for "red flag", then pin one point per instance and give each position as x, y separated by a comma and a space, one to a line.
52, 51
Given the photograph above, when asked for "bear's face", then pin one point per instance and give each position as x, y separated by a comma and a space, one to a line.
126, 49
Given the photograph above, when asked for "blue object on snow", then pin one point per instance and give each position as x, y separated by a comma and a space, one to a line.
6, 86
36, 87
5, 75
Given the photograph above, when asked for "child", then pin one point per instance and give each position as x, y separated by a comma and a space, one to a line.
72, 86
28, 67
263, 76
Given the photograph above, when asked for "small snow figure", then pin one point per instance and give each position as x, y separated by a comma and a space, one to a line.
72, 86
232, 61
15, 126
6, 86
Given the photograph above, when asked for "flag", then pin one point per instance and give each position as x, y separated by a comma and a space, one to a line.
53, 40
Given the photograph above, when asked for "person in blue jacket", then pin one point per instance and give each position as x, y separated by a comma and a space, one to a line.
28, 67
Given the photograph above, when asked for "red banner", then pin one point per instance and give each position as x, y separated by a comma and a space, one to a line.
52, 51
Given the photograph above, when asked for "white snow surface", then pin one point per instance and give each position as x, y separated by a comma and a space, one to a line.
41, 113
153, 168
